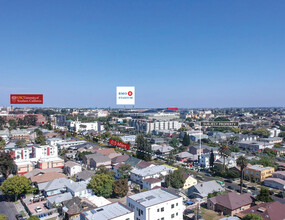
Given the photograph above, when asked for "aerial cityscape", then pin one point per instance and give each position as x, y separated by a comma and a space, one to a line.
142, 110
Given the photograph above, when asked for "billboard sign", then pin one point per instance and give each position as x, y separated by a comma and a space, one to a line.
219, 123
26, 98
125, 95
119, 144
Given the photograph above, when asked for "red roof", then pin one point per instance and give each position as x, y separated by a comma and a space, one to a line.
152, 180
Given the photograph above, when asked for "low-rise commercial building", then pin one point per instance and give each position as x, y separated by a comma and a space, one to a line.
257, 173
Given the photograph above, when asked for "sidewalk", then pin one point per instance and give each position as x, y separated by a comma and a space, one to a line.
20, 209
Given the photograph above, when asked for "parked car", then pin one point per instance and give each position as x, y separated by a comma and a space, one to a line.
229, 181
38, 209
252, 188
230, 187
208, 174
19, 217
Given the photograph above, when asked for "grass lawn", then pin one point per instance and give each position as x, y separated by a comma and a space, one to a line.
210, 215
23, 213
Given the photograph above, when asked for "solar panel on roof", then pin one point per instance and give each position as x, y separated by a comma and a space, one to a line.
149, 197
93, 211
98, 210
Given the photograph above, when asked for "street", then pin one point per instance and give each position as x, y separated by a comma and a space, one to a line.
7, 208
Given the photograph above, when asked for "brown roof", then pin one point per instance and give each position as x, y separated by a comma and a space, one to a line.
47, 177
106, 151
268, 211
37, 172
144, 164
186, 175
233, 200
120, 159
152, 180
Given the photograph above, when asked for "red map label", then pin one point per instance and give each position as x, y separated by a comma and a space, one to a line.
26, 99
119, 144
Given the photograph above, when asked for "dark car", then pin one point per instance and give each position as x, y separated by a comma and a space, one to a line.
243, 185
238, 190
19, 217
208, 174
252, 188
230, 187
228, 181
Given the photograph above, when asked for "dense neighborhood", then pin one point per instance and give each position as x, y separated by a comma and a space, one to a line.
142, 164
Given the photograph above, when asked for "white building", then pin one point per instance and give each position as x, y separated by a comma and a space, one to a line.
72, 168
54, 141
156, 204
150, 183
149, 126
274, 132
129, 138
86, 126
114, 211
138, 175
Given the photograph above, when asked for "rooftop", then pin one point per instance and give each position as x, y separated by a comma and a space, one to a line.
107, 212
151, 170
153, 197
259, 167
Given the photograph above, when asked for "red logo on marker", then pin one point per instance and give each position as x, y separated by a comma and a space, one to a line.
130, 93
43, 122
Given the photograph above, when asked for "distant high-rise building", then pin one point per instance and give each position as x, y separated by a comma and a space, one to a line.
60, 120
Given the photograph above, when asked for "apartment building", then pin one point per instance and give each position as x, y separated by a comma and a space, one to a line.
30, 157
149, 126
86, 126
257, 173
156, 204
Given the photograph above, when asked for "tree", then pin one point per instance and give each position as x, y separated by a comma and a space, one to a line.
224, 152
6, 164
102, 185
16, 185
12, 123
175, 179
2, 143
21, 143
82, 154
38, 131
102, 169
242, 163
264, 195
252, 217
262, 132
143, 148
3, 217
186, 140
270, 152
2, 122
120, 188
213, 194
212, 159
170, 158
174, 142
221, 119
124, 171
40, 140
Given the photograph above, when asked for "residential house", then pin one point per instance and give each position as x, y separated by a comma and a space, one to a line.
269, 211
84, 175
119, 159
72, 207
150, 183
114, 211
110, 152
158, 171
56, 200
186, 157
257, 172
230, 203
46, 177
100, 160
279, 174
275, 183
72, 168
201, 190
157, 203
189, 181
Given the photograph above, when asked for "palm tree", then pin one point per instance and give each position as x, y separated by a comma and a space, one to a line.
224, 152
242, 163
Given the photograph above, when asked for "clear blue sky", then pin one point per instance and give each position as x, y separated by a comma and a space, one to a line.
192, 53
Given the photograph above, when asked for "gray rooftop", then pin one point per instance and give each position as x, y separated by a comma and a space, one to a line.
107, 212
153, 197
59, 198
151, 170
